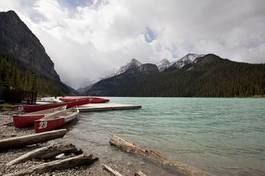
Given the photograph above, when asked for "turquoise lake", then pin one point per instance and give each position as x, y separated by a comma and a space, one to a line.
225, 136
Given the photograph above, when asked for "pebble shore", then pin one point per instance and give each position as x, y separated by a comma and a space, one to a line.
127, 168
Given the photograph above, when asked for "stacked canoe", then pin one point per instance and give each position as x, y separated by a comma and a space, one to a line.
69, 102
51, 116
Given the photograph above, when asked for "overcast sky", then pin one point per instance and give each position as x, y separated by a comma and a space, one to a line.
87, 39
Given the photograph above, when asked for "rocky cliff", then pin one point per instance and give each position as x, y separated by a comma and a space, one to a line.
18, 41
26, 59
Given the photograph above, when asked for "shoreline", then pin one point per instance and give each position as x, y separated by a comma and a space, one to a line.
254, 97
173, 129
126, 164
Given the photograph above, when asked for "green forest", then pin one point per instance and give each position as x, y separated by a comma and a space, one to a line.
221, 80
214, 78
14, 76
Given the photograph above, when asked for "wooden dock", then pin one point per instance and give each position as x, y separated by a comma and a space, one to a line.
107, 107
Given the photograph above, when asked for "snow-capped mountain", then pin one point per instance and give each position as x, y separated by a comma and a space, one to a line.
187, 59
178, 63
163, 64
211, 79
136, 66
134, 63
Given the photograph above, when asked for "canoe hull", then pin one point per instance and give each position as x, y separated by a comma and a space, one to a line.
77, 103
25, 121
47, 124
89, 99
34, 108
69, 102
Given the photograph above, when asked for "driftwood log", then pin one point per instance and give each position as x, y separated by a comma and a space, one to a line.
57, 164
21, 141
47, 152
139, 173
180, 167
109, 169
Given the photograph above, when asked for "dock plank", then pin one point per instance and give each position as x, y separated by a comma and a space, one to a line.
107, 107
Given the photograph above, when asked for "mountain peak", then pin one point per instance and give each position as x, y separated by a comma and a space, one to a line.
210, 58
163, 64
30, 52
191, 57
164, 61
10, 12
26, 54
148, 68
209, 76
134, 63
186, 60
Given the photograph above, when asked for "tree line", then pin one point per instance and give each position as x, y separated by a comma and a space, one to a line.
14, 76
213, 79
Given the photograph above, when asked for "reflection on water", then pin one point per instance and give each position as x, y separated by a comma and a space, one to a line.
223, 136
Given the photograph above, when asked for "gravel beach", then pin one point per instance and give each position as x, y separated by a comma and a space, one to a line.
127, 167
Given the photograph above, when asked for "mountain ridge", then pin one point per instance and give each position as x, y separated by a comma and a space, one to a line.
18, 41
226, 78
24, 51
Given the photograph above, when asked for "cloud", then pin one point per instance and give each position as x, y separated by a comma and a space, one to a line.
88, 39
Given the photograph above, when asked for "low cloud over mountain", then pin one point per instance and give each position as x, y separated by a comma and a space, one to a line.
87, 39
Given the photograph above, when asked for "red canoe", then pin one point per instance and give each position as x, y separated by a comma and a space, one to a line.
25, 120
56, 120
69, 104
79, 102
91, 99
40, 107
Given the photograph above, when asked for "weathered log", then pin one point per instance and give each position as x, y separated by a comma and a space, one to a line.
140, 173
55, 150
180, 167
46, 153
109, 169
57, 164
22, 141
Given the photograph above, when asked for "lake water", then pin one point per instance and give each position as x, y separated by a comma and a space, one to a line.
225, 136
